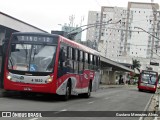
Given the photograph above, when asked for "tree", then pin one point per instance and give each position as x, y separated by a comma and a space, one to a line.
136, 64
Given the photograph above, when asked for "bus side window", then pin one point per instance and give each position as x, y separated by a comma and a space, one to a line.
61, 57
91, 62
62, 60
86, 61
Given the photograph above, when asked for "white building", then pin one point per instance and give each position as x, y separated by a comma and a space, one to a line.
111, 36
123, 41
109, 30
93, 26
137, 42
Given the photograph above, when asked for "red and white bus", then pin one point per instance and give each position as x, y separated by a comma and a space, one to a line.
148, 80
48, 63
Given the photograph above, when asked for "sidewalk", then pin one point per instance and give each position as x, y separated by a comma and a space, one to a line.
152, 107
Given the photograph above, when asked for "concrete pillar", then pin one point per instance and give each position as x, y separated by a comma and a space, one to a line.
108, 77
112, 77
105, 77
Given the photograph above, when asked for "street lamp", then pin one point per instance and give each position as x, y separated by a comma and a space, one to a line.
147, 32
73, 34
100, 23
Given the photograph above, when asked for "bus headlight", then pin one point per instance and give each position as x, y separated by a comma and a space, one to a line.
50, 79
9, 77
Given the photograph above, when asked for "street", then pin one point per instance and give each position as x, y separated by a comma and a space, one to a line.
107, 99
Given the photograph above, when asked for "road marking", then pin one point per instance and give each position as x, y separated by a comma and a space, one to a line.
155, 118
141, 118
106, 98
60, 111
33, 119
90, 102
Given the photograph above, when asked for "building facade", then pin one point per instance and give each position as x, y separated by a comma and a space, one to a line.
111, 35
93, 26
140, 24
136, 36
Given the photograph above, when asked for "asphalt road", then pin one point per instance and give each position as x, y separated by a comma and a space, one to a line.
110, 99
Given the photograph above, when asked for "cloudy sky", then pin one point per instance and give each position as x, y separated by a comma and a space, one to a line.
47, 14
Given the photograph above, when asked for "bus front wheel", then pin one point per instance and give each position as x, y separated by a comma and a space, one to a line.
139, 90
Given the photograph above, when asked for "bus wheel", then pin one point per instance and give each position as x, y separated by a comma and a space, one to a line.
88, 94
139, 90
68, 92
5, 93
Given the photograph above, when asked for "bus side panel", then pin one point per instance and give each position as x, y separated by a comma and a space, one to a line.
96, 81
62, 84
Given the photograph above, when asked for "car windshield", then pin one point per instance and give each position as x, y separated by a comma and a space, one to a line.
32, 58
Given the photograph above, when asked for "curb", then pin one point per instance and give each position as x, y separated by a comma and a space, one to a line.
147, 107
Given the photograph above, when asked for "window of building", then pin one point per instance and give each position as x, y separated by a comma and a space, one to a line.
102, 34
104, 15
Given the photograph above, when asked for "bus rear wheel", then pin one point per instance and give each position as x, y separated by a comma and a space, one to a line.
88, 94
68, 92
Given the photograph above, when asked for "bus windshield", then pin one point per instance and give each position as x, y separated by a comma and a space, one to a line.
31, 57
149, 78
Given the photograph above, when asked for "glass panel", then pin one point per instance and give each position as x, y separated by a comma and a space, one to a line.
33, 58
149, 78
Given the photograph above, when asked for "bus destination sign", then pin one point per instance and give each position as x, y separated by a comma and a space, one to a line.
42, 39
149, 72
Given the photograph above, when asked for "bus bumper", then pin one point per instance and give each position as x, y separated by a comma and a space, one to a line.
39, 88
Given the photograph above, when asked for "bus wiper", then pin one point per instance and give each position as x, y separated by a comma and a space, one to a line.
10, 59
34, 53
25, 49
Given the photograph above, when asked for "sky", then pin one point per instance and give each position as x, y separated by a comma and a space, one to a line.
52, 14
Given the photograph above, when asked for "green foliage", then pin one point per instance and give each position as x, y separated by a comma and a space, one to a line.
136, 64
